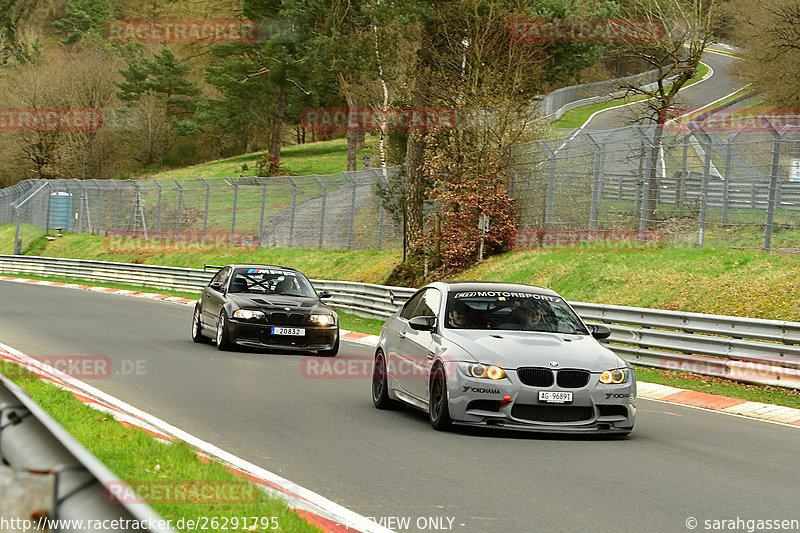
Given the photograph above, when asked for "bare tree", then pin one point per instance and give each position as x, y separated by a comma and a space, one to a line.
769, 33
687, 26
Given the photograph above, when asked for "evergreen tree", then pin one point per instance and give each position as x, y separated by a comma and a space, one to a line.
84, 19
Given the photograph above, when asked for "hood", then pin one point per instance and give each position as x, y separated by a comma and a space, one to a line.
276, 303
515, 349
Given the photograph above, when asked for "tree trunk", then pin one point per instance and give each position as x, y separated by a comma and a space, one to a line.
652, 199
352, 136
352, 133
414, 193
277, 128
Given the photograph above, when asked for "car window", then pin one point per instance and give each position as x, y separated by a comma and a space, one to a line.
221, 277
429, 303
518, 311
271, 281
411, 306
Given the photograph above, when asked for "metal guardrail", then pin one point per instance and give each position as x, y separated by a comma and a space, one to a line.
745, 349
56, 474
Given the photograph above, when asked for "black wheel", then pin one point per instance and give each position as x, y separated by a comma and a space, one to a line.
438, 408
332, 351
223, 336
197, 330
380, 385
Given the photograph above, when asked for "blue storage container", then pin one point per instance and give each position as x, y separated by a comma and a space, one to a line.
61, 211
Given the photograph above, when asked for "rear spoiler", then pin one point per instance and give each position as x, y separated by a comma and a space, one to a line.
212, 267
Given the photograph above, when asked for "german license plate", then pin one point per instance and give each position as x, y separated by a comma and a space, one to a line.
548, 396
294, 332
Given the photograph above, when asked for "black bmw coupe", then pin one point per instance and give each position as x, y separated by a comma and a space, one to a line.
262, 306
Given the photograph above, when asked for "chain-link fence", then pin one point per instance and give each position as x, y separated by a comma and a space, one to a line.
704, 183
553, 105
334, 211
734, 185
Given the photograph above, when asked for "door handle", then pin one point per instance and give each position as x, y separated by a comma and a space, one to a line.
402, 335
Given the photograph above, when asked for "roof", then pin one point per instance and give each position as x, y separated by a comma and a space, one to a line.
261, 266
496, 286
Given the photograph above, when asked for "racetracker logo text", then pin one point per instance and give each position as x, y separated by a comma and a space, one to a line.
181, 31
180, 492
586, 30
392, 119
50, 119
361, 367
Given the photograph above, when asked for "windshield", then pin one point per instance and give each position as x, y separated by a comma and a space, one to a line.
271, 281
518, 311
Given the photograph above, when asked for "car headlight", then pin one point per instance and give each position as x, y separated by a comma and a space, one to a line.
481, 371
247, 314
323, 320
618, 375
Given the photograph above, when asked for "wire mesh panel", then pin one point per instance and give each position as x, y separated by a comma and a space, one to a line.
697, 183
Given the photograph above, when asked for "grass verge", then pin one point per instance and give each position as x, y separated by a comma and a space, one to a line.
366, 266
136, 457
321, 157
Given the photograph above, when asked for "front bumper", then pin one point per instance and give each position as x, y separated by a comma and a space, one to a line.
510, 404
258, 335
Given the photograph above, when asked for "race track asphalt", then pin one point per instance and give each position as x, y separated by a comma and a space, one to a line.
721, 84
325, 435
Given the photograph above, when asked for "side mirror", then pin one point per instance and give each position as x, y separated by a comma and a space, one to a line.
217, 287
325, 294
599, 331
423, 323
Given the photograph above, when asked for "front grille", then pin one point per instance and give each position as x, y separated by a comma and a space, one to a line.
484, 405
552, 413
613, 410
296, 318
278, 318
536, 377
572, 379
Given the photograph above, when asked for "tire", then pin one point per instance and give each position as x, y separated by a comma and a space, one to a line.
332, 351
438, 408
380, 385
197, 330
223, 336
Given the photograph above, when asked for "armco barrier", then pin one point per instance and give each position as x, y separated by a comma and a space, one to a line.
745, 349
42, 454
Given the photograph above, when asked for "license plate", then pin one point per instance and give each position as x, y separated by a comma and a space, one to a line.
555, 396
294, 332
